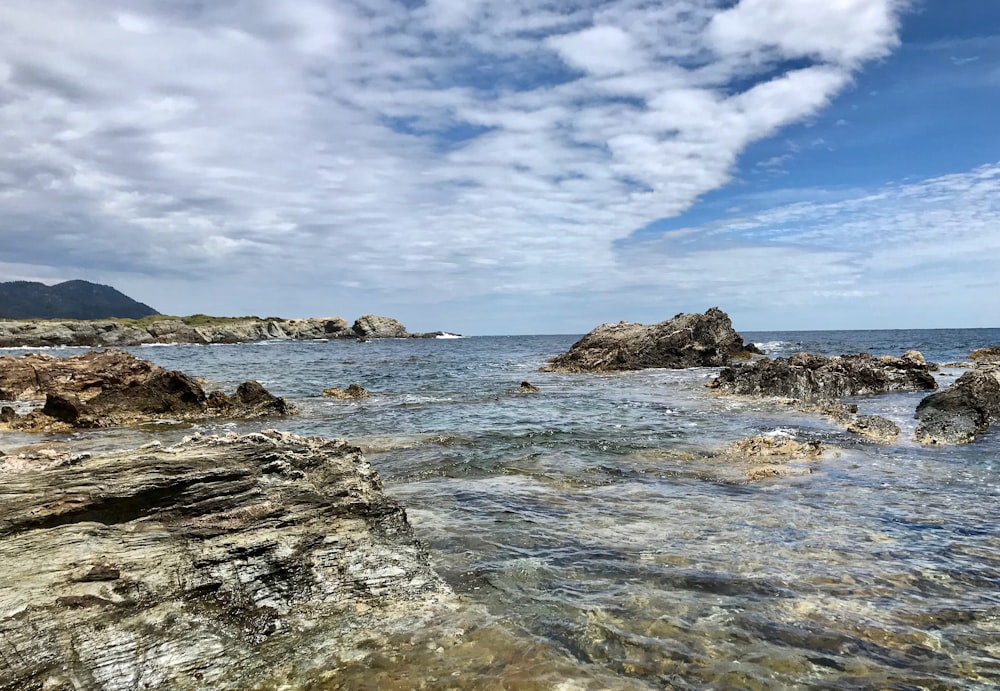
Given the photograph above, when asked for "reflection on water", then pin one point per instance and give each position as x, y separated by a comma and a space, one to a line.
612, 549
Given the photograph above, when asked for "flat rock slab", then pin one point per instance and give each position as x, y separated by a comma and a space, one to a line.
224, 562
687, 340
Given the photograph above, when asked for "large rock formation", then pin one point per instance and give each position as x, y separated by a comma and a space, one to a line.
257, 561
106, 388
374, 326
687, 340
811, 377
962, 411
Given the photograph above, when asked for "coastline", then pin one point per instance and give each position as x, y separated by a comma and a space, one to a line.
196, 329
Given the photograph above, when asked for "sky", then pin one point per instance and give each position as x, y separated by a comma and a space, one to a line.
510, 166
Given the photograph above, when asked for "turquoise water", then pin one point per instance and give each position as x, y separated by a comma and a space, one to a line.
591, 519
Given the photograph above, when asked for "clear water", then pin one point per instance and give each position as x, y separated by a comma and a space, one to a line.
591, 523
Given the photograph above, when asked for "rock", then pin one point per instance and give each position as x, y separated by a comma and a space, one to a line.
817, 377
990, 354
353, 392
225, 562
63, 406
874, 427
687, 340
199, 329
373, 326
964, 410
103, 389
527, 387
773, 456
7, 414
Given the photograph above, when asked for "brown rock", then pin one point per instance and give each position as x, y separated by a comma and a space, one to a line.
353, 392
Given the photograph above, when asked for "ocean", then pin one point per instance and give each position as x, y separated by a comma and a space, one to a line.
603, 546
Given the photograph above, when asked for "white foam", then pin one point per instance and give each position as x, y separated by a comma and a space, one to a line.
448, 335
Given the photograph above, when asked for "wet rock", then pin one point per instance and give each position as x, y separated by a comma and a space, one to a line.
63, 406
527, 387
811, 377
103, 389
353, 392
7, 414
964, 410
874, 427
374, 326
189, 567
989, 354
771, 456
687, 340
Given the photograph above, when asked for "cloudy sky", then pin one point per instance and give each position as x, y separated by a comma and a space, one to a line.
510, 166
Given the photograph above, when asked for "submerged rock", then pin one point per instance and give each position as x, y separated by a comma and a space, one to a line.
687, 340
811, 377
964, 410
527, 387
773, 456
353, 392
107, 388
224, 562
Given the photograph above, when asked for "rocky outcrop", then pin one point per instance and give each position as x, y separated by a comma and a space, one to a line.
989, 354
109, 388
257, 561
197, 329
687, 340
964, 410
353, 392
527, 387
374, 326
816, 377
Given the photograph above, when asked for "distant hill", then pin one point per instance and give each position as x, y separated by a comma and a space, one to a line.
69, 300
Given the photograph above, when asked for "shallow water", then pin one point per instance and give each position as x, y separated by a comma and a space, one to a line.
610, 548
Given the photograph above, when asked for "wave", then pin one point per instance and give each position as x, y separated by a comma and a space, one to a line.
448, 335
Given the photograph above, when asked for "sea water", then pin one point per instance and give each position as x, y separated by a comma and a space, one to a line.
607, 547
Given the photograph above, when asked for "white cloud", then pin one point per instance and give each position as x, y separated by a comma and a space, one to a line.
444, 151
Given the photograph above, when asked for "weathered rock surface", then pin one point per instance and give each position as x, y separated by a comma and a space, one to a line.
353, 392
257, 561
527, 387
109, 388
872, 427
687, 340
964, 410
770, 456
990, 354
374, 326
816, 377
40, 334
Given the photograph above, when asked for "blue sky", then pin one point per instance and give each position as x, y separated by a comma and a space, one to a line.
510, 167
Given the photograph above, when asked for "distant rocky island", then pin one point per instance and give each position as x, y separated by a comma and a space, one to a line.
68, 300
197, 329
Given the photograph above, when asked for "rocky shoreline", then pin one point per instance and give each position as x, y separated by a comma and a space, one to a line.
197, 330
248, 560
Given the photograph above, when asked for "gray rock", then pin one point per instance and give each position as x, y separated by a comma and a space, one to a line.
964, 410
816, 377
374, 326
225, 562
687, 340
